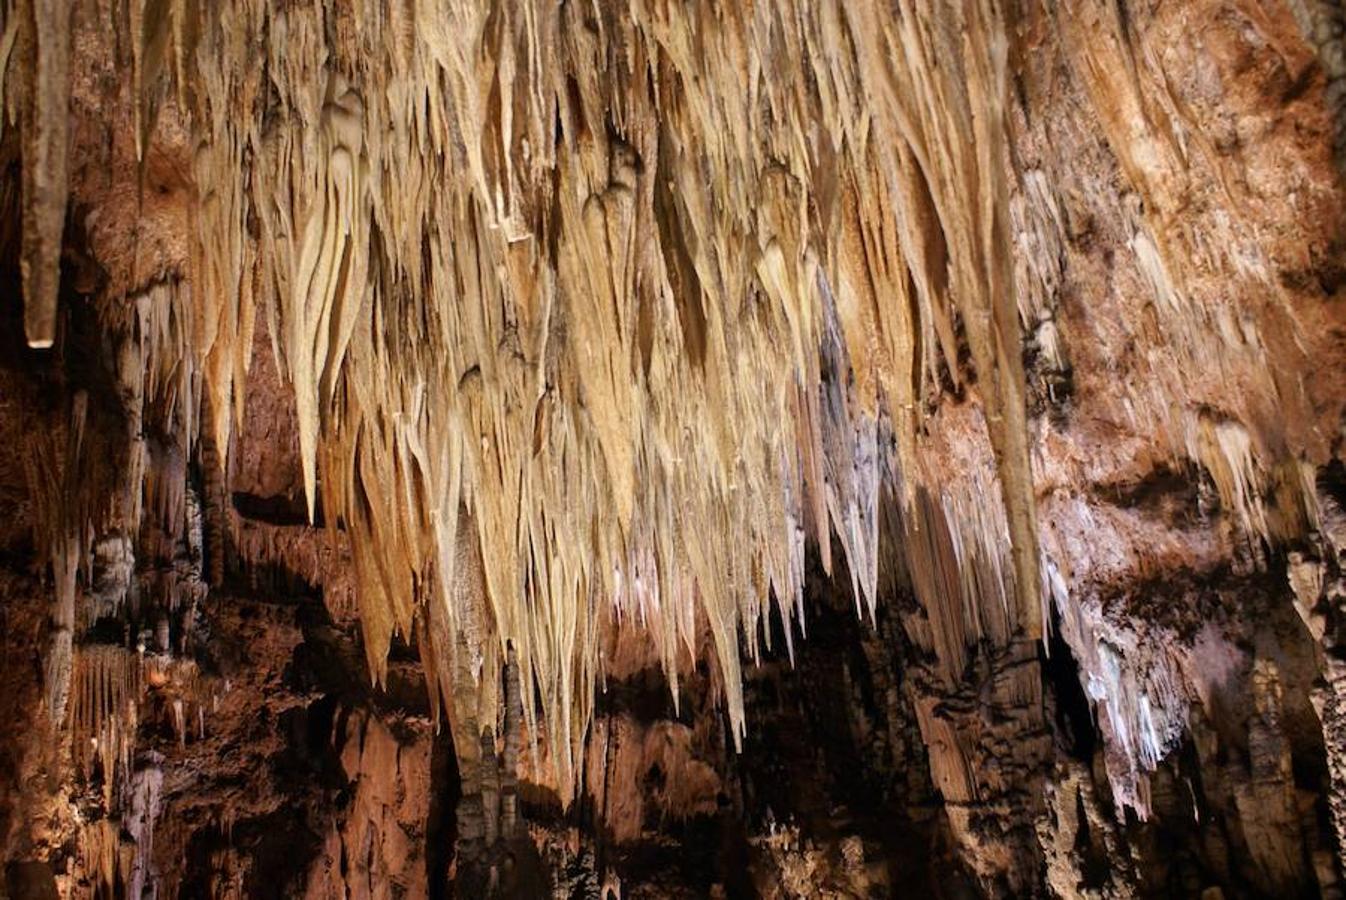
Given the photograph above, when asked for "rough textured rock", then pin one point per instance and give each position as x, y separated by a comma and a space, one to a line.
797, 449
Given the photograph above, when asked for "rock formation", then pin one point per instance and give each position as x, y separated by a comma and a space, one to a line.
797, 449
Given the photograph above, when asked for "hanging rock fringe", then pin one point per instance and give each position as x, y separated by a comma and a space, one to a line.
567, 294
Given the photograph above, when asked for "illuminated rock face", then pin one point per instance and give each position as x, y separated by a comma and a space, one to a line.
805, 448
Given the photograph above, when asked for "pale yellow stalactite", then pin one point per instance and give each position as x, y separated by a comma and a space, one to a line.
595, 317
104, 715
329, 280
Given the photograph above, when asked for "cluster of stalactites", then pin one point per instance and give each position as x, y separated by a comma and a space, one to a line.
91, 477
626, 300
106, 688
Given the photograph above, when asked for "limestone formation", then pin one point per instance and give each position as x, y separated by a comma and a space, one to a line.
807, 448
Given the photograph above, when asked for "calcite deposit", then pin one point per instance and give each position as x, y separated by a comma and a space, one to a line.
651, 449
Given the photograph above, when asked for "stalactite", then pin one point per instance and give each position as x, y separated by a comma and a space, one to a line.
612, 347
42, 52
105, 713
563, 339
102, 852
596, 318
51, 466
213, 519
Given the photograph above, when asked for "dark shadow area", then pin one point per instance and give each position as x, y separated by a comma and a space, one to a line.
1075, 726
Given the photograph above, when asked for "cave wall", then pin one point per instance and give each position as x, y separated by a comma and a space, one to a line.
805, 450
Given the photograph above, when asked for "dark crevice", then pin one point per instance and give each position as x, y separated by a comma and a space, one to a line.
279, 510
1074, 713
441, 830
